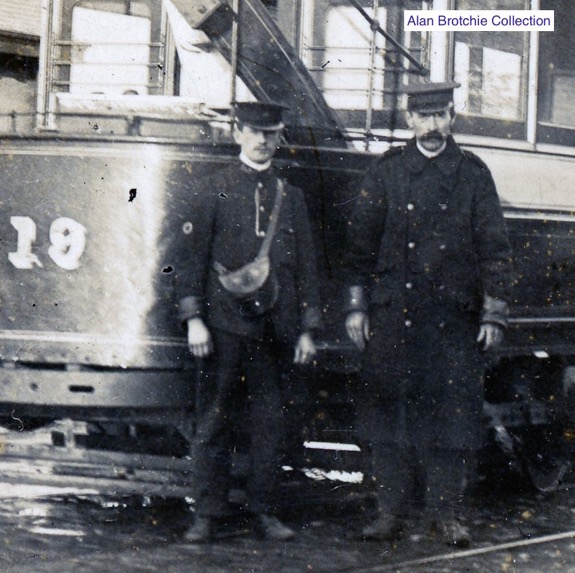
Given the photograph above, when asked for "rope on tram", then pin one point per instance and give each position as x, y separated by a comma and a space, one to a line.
468, 553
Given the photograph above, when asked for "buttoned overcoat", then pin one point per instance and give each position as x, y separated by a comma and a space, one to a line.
427, 240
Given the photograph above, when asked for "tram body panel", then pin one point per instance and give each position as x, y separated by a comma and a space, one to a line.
532, 180
80, 263
536, 191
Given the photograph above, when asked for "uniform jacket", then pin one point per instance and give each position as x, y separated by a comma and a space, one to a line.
428, 241
223, 219
433, 225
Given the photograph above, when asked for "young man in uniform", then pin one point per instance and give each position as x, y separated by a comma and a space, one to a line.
429, 273
248, 226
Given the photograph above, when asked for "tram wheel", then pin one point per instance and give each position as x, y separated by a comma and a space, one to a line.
547, 473
546, 459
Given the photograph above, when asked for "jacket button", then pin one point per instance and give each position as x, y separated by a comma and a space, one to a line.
187, 228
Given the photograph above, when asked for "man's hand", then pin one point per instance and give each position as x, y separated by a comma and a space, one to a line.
199, 338
490, 336
304, 349
357, 326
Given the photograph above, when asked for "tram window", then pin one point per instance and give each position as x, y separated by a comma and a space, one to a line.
346, 59
336, 48
17, 92
19, 50
111, 48
556, 112
491, 68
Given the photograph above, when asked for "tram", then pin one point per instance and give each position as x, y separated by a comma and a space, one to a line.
109, 108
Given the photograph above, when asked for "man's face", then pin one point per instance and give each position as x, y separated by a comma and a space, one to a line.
431, 128
258, 145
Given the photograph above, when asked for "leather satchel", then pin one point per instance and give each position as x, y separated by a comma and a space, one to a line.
254, 285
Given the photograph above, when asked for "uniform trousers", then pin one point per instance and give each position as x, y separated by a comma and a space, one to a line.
237, 360
414, 482
419, 408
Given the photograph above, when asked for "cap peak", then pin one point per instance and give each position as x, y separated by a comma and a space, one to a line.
430, 96
259, 115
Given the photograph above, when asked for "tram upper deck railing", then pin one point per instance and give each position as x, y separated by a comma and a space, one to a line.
164, 117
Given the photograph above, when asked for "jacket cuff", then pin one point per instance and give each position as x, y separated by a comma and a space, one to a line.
311, 320
355, 300
495, 311
189, 307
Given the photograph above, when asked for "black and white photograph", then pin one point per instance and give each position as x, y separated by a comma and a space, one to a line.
287, 286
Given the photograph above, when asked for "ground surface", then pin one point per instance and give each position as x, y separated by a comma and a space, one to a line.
67, 531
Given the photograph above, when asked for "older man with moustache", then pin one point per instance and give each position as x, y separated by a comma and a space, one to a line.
429, 273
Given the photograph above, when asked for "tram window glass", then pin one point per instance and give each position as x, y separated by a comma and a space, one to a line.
345, 60
491, 68
336, 48
19, 50
110, 48
17, 92
556, 111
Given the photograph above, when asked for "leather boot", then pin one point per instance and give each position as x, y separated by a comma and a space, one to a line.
384, 528
270, 527
200, 531
453, 532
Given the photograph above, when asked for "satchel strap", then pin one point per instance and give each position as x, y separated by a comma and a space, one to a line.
267, 242
219, 268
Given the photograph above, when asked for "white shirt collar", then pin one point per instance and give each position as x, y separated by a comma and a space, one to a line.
253, 164
431, 154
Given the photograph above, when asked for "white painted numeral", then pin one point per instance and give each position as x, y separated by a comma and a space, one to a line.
68, 240
24, 258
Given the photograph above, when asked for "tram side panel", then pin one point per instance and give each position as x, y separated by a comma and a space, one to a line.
536, 190
79, 267
88, 246
88, 311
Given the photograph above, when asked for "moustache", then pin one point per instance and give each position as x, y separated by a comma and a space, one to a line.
433, 135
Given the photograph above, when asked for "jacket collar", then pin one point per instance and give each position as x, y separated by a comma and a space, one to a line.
447, 161
259, 167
